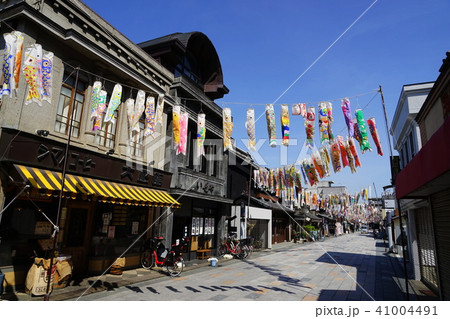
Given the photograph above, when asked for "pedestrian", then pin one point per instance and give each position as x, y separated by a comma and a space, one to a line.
375, 233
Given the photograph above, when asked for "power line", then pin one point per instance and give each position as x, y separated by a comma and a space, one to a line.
307, 103
324, 52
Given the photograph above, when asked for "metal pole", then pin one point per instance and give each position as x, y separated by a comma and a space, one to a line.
375, 189
249, 188
61, 191
398, 202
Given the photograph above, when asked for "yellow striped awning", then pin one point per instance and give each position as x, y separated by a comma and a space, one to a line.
50, 182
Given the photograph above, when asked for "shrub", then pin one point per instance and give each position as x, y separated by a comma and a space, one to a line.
309, 228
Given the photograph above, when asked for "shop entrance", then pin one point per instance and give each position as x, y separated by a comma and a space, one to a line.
280, 228
77, 235
257, 229
203, 229
198, 220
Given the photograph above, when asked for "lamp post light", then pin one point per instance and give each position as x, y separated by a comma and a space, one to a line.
43, 133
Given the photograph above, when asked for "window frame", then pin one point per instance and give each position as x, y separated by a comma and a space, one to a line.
137, 139
105, 140
74, 91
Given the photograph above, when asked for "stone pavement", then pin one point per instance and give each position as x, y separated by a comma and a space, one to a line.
351, 267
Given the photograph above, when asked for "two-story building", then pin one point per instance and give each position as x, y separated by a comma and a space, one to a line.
199, 180
78, 152
407, 142
427, 177
252, 209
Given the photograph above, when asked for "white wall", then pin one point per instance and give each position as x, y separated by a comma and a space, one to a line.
259, 213
409, 104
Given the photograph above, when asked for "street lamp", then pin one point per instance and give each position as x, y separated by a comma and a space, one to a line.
43, 133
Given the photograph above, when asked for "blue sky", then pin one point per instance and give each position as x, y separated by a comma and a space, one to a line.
264, 46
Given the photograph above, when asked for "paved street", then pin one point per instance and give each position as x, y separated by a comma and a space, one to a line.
350, 267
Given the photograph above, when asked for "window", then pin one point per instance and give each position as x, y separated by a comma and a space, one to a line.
204, 160
106, 135
208, 164
191, 150
404, 156
117, 228
411, 143
189, 68
203, 229
70, 106
211, 153
407, 153
137, 139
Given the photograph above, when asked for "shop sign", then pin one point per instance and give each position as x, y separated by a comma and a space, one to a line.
111, 232
389, 203
57, 156
43, 228
143, 176
85, 163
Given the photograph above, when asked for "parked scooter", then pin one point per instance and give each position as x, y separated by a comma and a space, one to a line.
156, 254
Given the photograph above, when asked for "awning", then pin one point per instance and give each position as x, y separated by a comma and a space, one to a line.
199, 196
50, 183
304, 216
271, 205
326, 216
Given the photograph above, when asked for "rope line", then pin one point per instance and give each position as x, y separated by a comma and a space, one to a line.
324, 52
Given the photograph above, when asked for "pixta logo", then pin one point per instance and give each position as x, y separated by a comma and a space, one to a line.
158, 151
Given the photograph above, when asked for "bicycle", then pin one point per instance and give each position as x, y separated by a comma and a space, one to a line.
156, 254
321, 234
233, 247
317, 235
248, 244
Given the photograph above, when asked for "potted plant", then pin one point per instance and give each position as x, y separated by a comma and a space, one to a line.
309, 229
296, 235
213, 261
